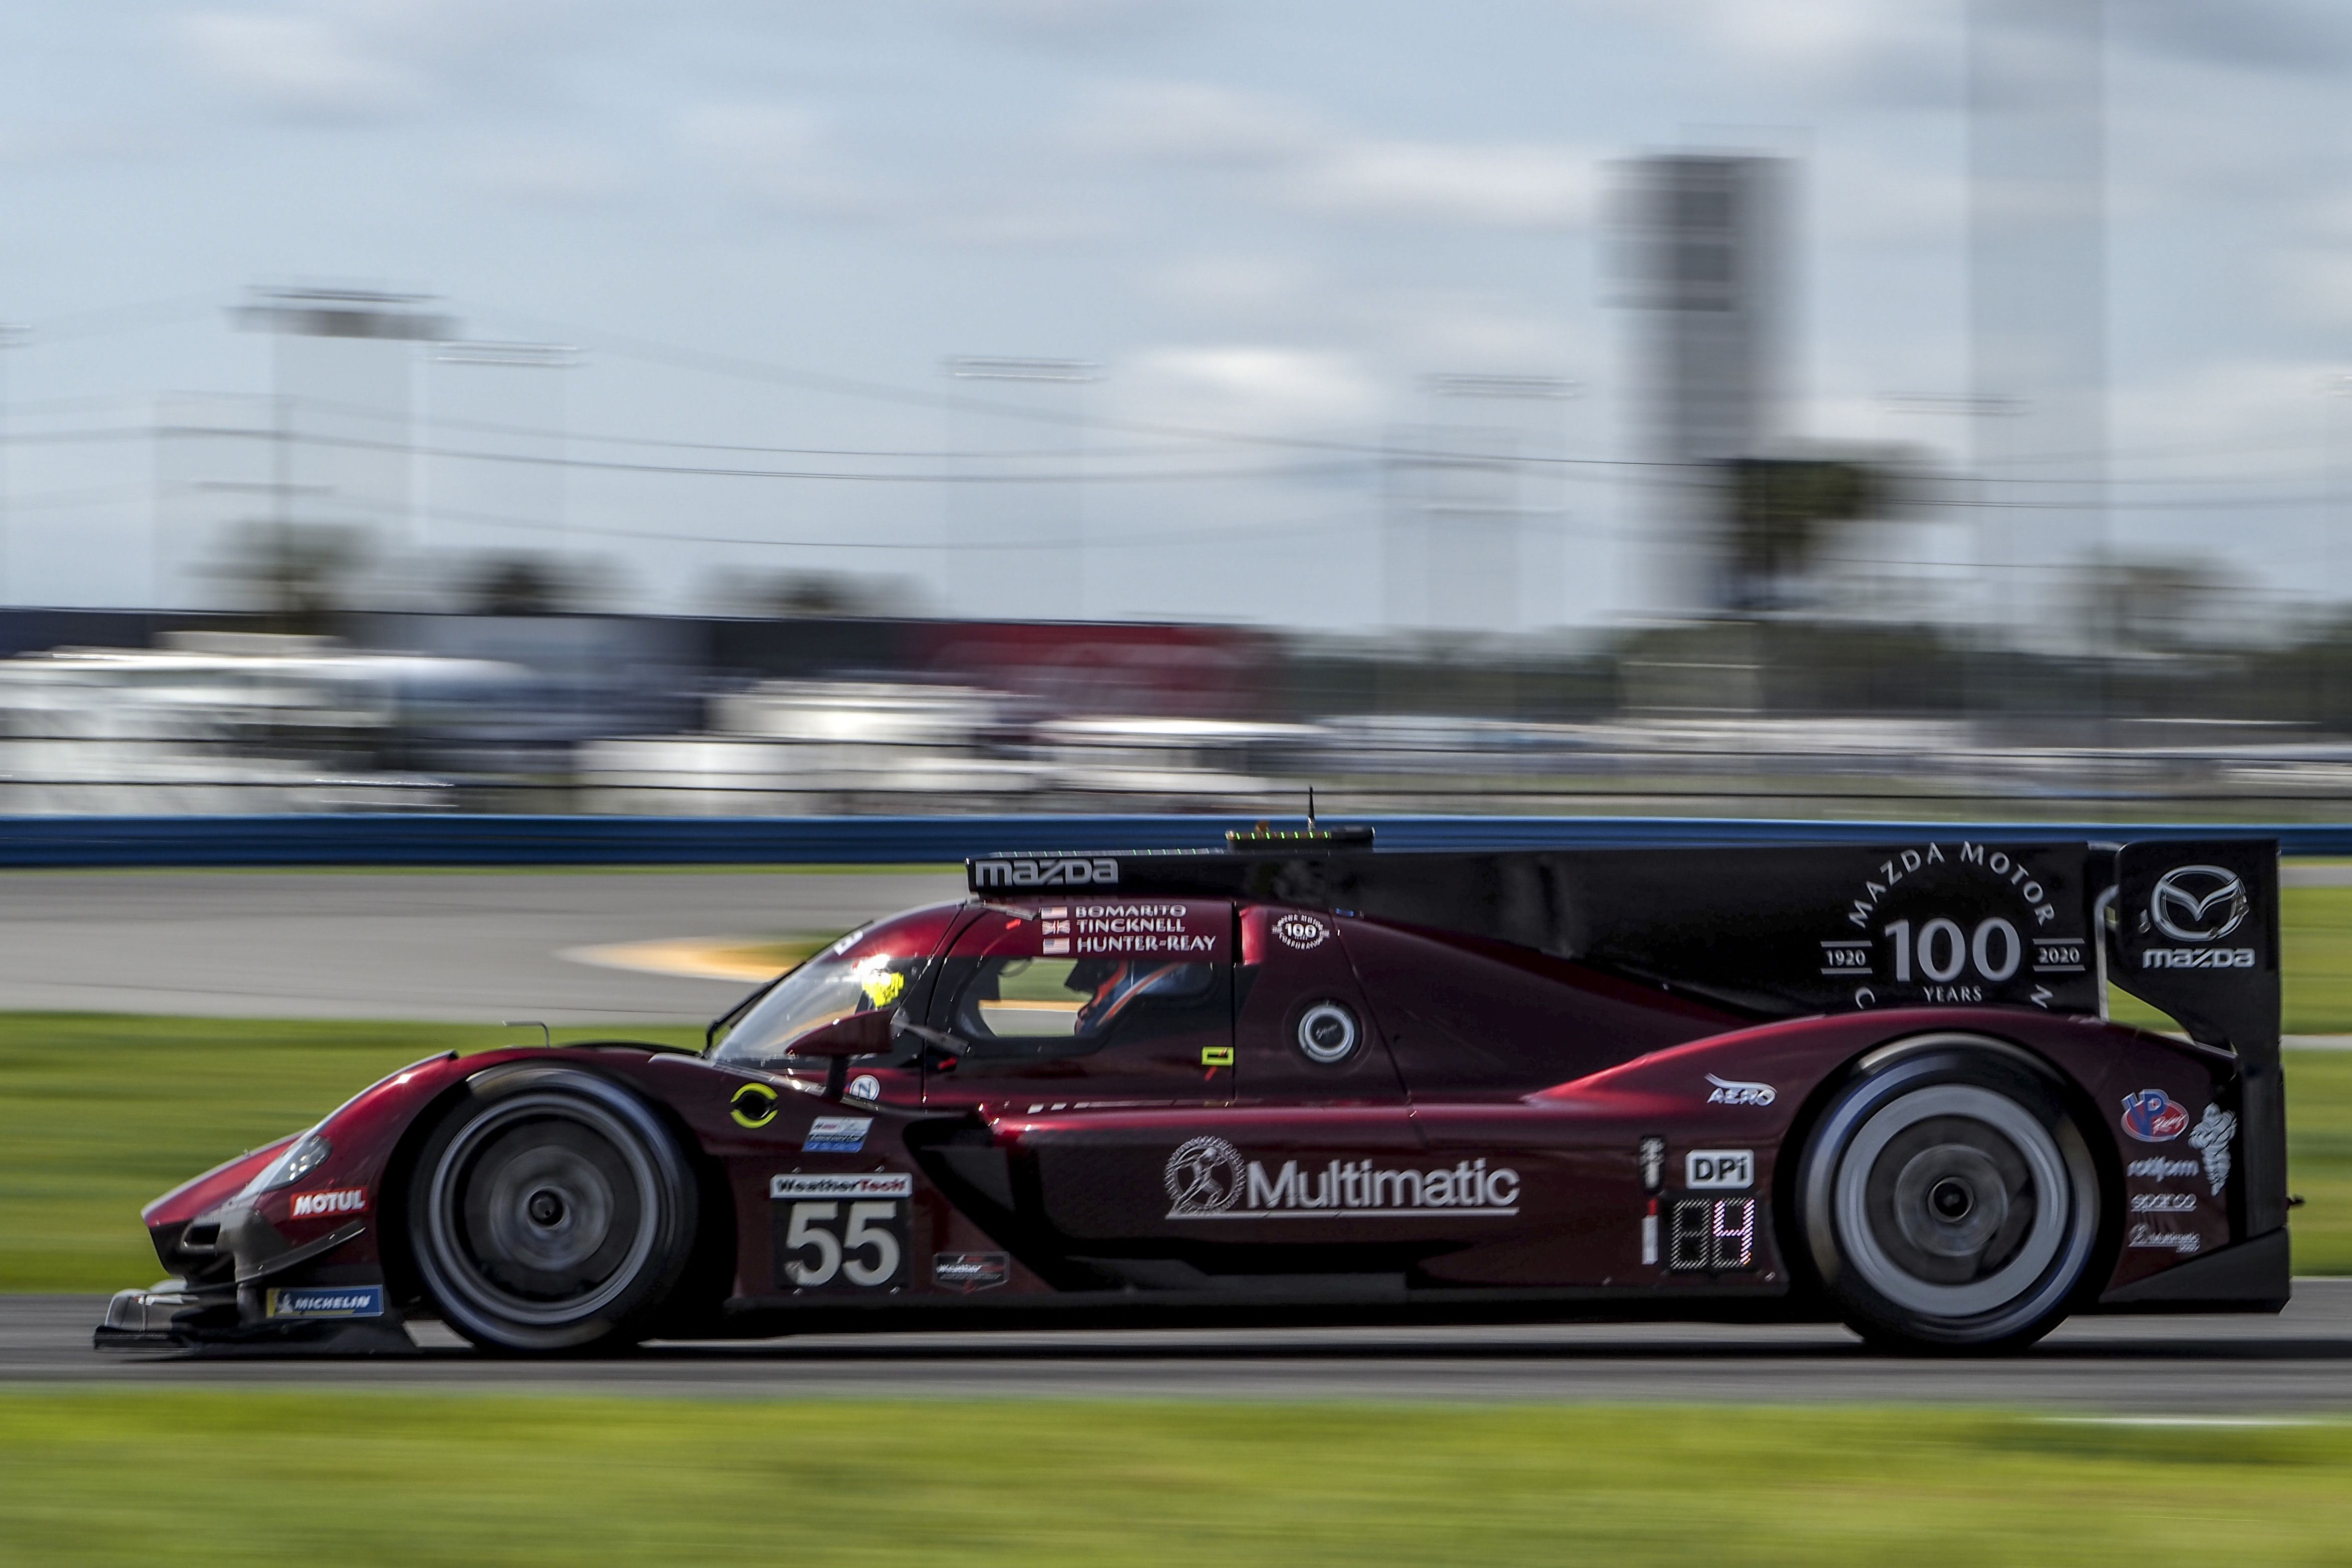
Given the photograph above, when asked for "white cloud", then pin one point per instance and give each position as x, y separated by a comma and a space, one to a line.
1525, 186
306, 67
1814, 35
1007, 223
368, 60
29, 144
553, 172
1303, 162
1868, 199
1080, 22
1904, 56
2313, 285
2226, 417
1466, 331
1246, 387
782, 155
2293, 36
789, 158
1194, 123
1226, 286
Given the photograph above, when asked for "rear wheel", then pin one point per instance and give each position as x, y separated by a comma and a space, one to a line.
1946, 1198
550, 1211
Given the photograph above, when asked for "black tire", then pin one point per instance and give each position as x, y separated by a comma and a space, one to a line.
1947, 1199
550, 1211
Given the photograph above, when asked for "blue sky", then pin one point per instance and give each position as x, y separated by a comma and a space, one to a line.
1274, 220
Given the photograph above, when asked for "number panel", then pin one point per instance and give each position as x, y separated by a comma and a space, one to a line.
828, 1245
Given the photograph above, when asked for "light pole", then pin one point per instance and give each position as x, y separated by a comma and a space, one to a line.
1459, 501
2337, 385
360, 313
12, 336
1049, 373
496, 355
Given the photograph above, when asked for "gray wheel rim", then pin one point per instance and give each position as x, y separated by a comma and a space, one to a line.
2051, 1189
559, 1235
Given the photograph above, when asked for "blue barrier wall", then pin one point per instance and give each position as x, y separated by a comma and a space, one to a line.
419, 840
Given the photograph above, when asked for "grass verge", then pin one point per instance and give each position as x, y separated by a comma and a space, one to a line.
2315, 958
359, 1479
2319, 1158
99, 1112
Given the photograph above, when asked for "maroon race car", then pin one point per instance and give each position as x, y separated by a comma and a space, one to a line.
1299, 1079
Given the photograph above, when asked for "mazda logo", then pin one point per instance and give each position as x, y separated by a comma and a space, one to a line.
2199, 903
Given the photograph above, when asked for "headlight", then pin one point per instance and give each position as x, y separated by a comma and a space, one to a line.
302, 1157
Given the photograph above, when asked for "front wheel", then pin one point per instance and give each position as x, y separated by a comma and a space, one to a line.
550, 1211
1947, 1200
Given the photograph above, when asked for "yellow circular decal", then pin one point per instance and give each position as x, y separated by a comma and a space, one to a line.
755, 1105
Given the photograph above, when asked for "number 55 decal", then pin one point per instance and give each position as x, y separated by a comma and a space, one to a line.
816, 1247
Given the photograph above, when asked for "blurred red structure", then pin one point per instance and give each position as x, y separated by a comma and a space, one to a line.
1072, 668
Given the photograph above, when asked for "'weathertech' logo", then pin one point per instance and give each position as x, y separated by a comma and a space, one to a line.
350, 1200
1059, 870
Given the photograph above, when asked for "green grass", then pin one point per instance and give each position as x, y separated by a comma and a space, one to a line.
2315, 942
2316, 939
99, 1112
2319, 1158
358, 1478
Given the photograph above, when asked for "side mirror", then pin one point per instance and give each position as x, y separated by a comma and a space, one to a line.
858, 1034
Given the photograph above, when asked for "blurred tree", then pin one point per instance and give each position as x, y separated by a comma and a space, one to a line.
2130, 604
1780, 511
820, 595
521, 585
296, 575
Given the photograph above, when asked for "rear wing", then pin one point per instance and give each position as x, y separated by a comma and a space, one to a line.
2190, 926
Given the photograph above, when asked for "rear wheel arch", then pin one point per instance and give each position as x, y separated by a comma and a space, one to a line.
1949, 1056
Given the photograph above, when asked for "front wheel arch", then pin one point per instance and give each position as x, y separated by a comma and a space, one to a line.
710, 1273
629, 1166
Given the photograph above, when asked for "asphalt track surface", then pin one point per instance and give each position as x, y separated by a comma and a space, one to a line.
460, 946
2298, 1365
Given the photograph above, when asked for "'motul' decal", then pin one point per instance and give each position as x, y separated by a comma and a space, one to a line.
1207, 1178
350, 1200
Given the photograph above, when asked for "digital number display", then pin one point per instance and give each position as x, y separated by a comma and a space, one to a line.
1711, 1235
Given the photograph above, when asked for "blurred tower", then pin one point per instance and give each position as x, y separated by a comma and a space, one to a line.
1705, 257
2037, 300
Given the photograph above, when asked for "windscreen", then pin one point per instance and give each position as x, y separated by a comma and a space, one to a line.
870, 968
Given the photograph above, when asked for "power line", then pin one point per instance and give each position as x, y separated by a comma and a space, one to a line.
1097, 475
743, 368
1165, 538
537, 460
107, 321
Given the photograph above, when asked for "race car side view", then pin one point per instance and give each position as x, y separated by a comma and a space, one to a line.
1301, 1079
